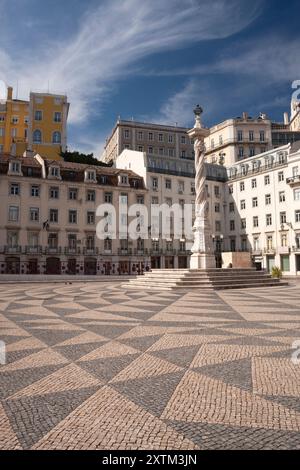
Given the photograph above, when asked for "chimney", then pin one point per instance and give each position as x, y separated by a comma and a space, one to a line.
286, 118
9, 93
245, 116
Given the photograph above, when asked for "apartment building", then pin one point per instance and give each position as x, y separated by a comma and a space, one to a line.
37, 126
48, 218
263, 208
170, 182
156, 140
237, 139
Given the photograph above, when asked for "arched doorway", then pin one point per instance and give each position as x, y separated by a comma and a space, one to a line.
90, 266
53, 266
12, 265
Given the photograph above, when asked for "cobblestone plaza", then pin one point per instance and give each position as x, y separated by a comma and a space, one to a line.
92, 366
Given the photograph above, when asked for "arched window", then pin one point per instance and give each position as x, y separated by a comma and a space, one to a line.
56, 138
37, 136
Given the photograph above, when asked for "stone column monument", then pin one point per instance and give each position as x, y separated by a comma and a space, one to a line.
202, 250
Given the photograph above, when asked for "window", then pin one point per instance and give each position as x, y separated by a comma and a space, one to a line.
169, 201
53, 215
218, 226
34, 214
107, 244
91, 196
103, 179
297, 216
232, 225
282, 196
53, 240
183, 154
72, 216
90, 217
154, 183
54, 192
267, 180
183, 139
57, 117
244, 244
212, 143
108, 198
72, 241
297, 194
268, 199
240, 136
140, 148
254, 202
269, 219
140, 135
140, 199
217, 191
161, 151
217, 207
252, 152
251, 136
241, 152
154, 200
126, 134
170, 139
220, 140
160, 137
280, 176
12, 239
14, 132
90, 175
231, 207
230, 189
295, 171
262, 136
13, 214
282, 217
15, 167
54, 171
171, 152
150, 136
243, 224
2, 131
38, 115
35, 191
281, 158
255, 221
270, 242
14, 189
37, 136
255, 243
168, 184
124, 199
180, 187
242, 186
243, 204
33, 239
73, 194
124, 179
56, 137
254, 183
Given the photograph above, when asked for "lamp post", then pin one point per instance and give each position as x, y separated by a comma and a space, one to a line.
202, 250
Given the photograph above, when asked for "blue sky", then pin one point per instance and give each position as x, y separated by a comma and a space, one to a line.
152, 60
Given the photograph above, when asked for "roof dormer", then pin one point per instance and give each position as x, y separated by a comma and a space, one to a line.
90, 175
54, 172
15, 168
123, 179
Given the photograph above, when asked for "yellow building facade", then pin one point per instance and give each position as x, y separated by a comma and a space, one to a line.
38, 125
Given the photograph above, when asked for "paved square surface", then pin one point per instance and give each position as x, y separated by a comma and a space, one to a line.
93, 366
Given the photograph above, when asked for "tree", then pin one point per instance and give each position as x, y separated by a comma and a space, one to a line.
77, 157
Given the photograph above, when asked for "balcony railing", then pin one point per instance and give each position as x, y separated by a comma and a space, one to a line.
90, 251
33, 249
72, 251
53, 250
13, 249
293, 180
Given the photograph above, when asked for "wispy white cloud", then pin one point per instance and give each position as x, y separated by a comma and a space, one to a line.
112, 37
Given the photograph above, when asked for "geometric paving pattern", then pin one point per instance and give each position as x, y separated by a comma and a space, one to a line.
94, 366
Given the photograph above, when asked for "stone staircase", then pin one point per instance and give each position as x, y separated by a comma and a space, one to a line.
187, 279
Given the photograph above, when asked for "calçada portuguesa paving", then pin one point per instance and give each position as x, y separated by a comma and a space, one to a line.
93, 366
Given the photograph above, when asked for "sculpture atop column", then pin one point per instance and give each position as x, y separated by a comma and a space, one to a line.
203, 256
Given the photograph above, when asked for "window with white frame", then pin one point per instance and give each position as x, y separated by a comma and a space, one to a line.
280, 176
282, 196
282, 217
268, 199
56, 137
267, 180
38, 115
269, 219
243, 204
297, 194
253, 183
242, 186
53, 216
35, 190
254, 202
168, 184
243, 223
57, 116
13, 214
14, 189
297, 216
54, 192
72, 216
73, 192
34, 214
255, 221
90, 217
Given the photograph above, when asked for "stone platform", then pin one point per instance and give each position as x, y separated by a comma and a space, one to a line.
172, 279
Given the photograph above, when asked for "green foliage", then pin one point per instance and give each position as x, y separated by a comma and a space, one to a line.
77, 157
276, 272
